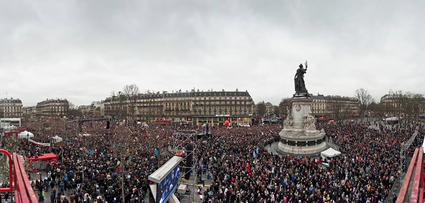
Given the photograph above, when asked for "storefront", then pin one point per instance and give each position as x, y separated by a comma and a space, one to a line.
219, 120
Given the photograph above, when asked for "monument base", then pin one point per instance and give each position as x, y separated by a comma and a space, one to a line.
297, 147
299, 135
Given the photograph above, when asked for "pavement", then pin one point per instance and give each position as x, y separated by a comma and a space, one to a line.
36, 176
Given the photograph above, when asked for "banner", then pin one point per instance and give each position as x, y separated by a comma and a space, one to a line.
39, 143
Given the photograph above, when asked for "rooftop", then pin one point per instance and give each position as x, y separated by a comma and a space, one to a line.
48, 101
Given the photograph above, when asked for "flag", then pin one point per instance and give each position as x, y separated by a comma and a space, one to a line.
325, 165
305, 158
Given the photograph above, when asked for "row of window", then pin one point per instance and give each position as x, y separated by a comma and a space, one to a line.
12, 108
183, 99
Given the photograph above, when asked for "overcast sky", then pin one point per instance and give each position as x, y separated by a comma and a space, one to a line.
84, 50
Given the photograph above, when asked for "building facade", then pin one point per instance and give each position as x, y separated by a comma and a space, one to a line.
29, 112
333, 106
52, 108
10, 108
193, 108
269, 109
92, 110
403, 105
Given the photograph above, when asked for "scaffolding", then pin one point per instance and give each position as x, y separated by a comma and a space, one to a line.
183, 139
402, 166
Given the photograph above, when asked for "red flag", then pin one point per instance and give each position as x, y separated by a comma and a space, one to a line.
395, 141
305, 158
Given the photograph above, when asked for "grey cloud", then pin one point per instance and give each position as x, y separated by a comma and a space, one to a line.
84, 50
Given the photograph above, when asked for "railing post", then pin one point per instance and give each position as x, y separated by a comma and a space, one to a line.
10, 189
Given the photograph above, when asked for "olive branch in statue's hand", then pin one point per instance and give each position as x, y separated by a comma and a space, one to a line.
306, 65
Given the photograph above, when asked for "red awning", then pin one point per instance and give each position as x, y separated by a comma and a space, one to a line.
321, 118
162, 122
45, 157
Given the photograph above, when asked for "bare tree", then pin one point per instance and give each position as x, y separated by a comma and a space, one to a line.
261, 109
336, 108
284, 105
398, 103
12, 145
412, 105
131, 92
118, 109
365, 99
276, 111
378, 109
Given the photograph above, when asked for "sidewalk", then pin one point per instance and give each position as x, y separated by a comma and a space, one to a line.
36, 176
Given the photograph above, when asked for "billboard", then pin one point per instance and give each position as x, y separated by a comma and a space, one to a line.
168, 185
165, 180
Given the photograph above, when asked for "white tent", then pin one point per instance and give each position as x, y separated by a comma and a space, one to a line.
329, 153
8, 128
25, 134
391, 119
57, 139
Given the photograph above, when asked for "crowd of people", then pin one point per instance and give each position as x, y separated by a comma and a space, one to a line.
96, 164
365, 172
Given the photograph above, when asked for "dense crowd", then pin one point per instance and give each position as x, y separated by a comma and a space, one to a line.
92, 161
365, 172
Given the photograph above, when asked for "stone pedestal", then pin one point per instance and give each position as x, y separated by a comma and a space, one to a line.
299, 135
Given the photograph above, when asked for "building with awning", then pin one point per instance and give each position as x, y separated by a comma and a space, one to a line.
185, 108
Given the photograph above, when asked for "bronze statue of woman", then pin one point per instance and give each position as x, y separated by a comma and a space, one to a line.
299, 80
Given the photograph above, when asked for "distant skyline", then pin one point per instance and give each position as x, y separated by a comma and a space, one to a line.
83, 50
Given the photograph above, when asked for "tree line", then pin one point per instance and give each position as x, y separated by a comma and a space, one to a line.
396, 103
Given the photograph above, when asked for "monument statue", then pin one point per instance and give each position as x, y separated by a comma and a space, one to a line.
299, 135
299, 80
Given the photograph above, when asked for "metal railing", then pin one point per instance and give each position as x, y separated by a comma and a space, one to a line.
404, 161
